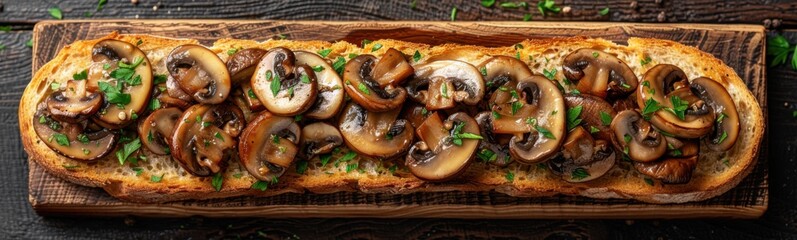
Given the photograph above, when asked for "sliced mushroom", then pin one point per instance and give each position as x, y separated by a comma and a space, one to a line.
415, 114
74, 102
503, 71
269, 145
671, 170
173, 89
200, 73
205, 136
594, 114
440, 84
242, 64
536, 118
249, 97
73, 140
637, 138
330, 87
661, 86
117, 111
490, 149
319, 138
599, 73
442, 154
391, 69
365, 91
583, 159
376, 134
726, 129
156, 130
285, 88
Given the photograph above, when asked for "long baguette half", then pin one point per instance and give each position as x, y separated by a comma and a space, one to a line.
716, 173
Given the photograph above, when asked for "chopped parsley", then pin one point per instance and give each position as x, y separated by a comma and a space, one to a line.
545, 132
275, 83
159, 78
70, 167
83, 138
606, 119
156, 179
366, 42
549, 74
651, 106
547, 6
61, 139
154, 104
305, 79
457, 135
627, 138
573, 119
113, 94
376, 46
645, 61
217, 181
364, 89
81, 75
318, 68
510, 176
516, 105
232, 51
218, 135
488, 3
483, 70
595, 54
55, 13
301, 166
649, 181
416, 56
453, 14
593, 129
721, 117
325, 159
722, 137
579, 173
486, 155
604, 11
339, 64
324, 52
55, 86
251, 93
128, 149
444, 90
679, 107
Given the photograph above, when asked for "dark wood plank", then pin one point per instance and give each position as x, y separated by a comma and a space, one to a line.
18, 220
53, 196
705, 11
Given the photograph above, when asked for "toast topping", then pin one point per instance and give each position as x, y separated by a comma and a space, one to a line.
156, 129
362, 87
583, 158
200, 73
74, 103
446, 149
330, 87
269, 145
726, 127
284, 87
205, 136
74, 140
599, 73
637, 138
123, 74
441, 84
684, 114
375, 134
319, 138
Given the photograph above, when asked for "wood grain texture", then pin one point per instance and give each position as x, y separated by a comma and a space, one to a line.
741, 47
704, 11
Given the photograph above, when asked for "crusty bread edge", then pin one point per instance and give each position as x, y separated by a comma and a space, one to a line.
40, 153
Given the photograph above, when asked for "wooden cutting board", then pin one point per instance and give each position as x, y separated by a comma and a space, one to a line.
740, 46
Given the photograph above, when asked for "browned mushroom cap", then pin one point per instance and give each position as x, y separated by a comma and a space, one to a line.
536, 117
637, 138
596, 114
376, 134
415, 114
391, 69
490, 149
173, 90
286, 89
503, 71
269, 145
242, 64
440, 84
319, 138
726, 129
365, 91
200, 73
74, 102
73, 140
134, 87
443, 152
204, 137
599, 73
583, 158
156, 130
249, 97
665, 84
330, 87
671, 170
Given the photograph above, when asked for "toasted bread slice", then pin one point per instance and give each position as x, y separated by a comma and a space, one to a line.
716, 173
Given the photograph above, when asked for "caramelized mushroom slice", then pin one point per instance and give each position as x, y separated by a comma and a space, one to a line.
726, 129
174, 91
269, 145
596, 114
200, 73
440, 84
391, 69
503, 71
74, 102
665, 85
583, 158
126, 82
242, 64
671, 170
330, 87
376, 134
599, 73
490, 149
155, 130
205, 136
73, 140
637, 138
286, 89
446, 149
319, 138
365, 91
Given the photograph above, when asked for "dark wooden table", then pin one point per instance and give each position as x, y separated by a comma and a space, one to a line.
18, 221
